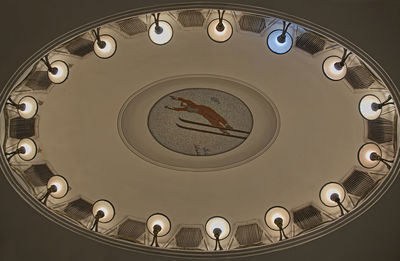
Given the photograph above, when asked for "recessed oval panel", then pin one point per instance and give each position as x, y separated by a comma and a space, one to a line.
206, 119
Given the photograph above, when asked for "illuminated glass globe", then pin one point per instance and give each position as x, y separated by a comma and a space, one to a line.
106, 47
220, 32
162, 33
59, 72
278, 43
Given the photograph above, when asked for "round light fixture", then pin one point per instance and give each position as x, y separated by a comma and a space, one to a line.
334, 67
158, 225
160, 32
58, 71
218, 228
280, 41
220, 30
365, 155
61, 185
332, 194
370, 155
277, 218
26, 150
103, 212
105, 46
57, 187
370, 107
27, 106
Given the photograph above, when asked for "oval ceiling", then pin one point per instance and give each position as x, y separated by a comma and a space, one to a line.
201, 132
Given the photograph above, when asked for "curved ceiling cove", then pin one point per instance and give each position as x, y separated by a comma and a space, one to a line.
201, 132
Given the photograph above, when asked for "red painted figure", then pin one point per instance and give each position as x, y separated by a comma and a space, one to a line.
208, 113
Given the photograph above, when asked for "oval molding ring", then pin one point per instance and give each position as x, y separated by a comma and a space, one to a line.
134, 126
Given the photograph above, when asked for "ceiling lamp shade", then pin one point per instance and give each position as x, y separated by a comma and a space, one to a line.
280, 41
334, 67
27, 107
57, 71
105, 45
158, 225
370, 106
160, 32
277, 218
370, 155
218, 228
103, 212
57, 187
220, 30
26, 150
332, 194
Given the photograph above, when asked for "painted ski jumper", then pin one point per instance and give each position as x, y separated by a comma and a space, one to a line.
208, 113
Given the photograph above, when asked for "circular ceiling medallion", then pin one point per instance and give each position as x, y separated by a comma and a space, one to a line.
208, 126
200, 122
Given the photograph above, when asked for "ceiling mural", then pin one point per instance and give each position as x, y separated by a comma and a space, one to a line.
200, 122
208, 133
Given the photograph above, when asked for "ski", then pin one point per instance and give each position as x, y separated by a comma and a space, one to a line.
211, 126
210, 132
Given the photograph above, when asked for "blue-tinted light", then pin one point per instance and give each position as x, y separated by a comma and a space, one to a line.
275, 46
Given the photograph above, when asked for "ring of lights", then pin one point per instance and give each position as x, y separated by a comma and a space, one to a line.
372, 198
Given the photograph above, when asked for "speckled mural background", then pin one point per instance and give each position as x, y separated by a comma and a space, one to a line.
221, 110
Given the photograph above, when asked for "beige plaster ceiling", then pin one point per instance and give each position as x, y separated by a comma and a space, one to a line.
320, 131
